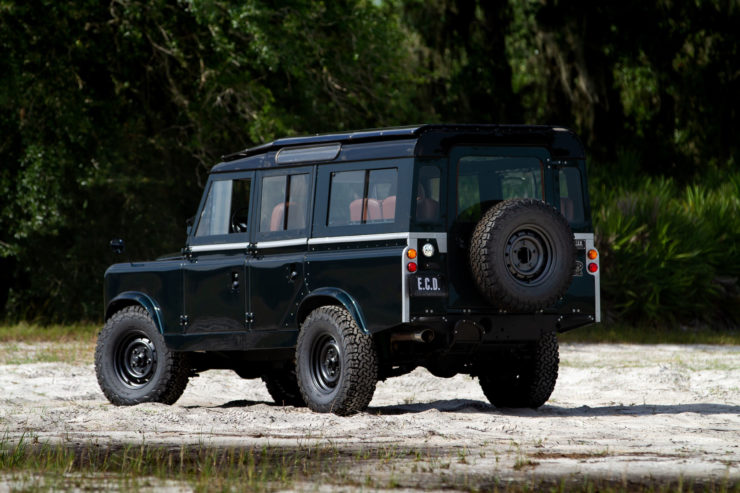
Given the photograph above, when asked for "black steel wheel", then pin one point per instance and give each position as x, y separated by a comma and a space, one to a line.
522, 255
522, 379
325, 365
135, 361
336, 363
133, 364
528, 255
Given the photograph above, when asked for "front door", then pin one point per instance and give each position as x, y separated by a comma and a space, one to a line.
215, 277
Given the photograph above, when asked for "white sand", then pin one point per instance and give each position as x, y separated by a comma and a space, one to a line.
618, 411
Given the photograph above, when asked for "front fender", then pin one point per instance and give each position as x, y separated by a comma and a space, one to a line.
129, 298
332, 296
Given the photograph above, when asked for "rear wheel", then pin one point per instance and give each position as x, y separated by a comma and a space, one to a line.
524, 380
283, 387
133, 363
336, 362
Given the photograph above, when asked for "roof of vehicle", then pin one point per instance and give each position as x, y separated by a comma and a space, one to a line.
417, 140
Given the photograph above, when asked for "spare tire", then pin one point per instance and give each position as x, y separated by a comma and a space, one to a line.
522, 255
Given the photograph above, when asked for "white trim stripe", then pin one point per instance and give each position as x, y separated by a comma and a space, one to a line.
302, 241
281, 243
347, 239
219, 246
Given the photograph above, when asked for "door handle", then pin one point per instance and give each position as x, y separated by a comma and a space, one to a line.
234, 282
293, 275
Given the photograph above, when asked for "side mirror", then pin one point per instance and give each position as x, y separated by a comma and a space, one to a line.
189, 224
117, 245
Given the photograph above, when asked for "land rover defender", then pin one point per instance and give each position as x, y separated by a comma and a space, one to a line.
323, 264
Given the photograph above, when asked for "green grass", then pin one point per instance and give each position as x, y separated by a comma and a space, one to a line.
28, 465
130, 467
23, 343
29, 332
630, 334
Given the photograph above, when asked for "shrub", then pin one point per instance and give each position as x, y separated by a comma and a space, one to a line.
669, 254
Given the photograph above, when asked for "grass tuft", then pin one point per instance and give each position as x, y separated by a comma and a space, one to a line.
616, 333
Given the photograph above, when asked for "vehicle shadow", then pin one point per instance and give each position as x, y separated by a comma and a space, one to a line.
236, 403
474, 406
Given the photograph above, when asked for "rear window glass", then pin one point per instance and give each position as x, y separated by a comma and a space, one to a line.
485, 180
427, 194
571, 194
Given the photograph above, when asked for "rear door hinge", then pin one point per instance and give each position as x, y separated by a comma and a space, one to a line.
249, 318
184, 320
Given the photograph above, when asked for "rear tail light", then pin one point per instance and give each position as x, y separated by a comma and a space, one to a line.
411, 253
411, 266
592, 255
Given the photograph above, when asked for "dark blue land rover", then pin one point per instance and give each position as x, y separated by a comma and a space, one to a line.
323, 264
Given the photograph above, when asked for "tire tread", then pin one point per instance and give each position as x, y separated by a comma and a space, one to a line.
176, 372
492, 224
538, 379
360, 364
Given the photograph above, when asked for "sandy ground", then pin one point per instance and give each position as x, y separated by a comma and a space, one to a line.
619, 412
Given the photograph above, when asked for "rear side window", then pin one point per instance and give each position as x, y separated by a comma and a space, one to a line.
284, 202
362, 197
483, 181
571, 194
428, 194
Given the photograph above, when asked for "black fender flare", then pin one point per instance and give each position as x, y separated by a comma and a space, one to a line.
332, 296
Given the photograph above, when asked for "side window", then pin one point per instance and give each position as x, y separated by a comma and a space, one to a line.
284, 202
362, 197
226, 209
571, 195
427, 194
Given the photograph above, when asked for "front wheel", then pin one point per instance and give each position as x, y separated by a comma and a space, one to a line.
336, 363
133, 364
525, 379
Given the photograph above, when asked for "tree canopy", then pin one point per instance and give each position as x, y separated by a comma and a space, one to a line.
112, 113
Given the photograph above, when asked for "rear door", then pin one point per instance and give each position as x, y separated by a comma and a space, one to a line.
360, 230
479, 178
276, 269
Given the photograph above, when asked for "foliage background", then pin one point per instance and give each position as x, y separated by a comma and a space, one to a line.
112, 113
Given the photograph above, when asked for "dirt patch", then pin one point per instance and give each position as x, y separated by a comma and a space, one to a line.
619, 412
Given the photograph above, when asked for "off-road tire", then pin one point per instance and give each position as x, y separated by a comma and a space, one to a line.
522, 255
336, 362
128, 340
523, 382
283, 388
